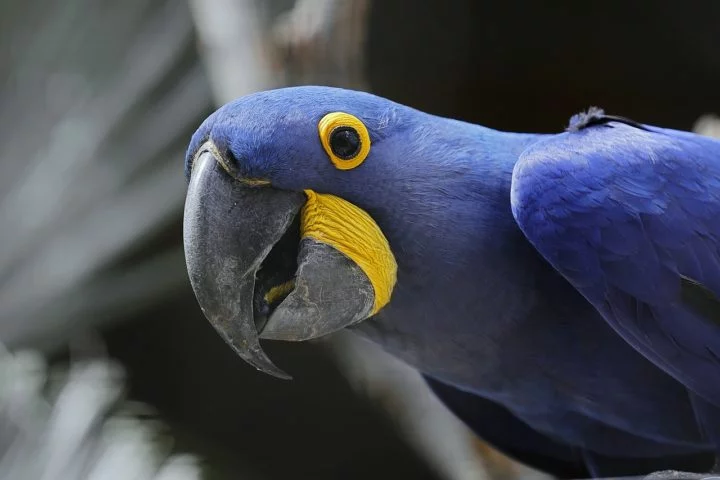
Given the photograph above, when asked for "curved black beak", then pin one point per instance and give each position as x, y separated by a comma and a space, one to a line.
252, 273
228, 229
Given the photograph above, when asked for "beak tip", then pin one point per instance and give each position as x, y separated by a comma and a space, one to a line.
271, 369
262, 363
279, 374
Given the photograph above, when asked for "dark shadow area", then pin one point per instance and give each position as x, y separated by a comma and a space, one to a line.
528, 66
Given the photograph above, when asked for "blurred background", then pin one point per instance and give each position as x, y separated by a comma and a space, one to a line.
109, 370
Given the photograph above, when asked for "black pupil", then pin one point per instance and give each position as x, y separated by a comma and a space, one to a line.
345, 142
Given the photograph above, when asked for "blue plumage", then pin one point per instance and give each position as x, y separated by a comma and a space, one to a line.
623, 213
616, 213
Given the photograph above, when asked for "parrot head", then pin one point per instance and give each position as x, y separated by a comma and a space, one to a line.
279, 235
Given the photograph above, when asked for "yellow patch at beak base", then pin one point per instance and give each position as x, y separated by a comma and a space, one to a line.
350, 230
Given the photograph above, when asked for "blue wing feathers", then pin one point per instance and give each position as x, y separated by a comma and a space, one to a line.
623, 213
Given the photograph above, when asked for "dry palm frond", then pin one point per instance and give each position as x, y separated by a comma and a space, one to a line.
96, 104
77, 427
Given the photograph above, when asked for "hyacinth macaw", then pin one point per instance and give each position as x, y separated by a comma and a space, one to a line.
558, 291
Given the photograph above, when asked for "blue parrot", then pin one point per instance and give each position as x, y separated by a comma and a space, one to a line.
557, 291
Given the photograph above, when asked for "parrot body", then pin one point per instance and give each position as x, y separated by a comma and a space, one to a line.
635, 229
477, 307
538, 276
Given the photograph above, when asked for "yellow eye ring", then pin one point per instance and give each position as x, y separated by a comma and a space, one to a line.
345, 139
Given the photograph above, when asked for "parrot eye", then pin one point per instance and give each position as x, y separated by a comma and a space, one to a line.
345, 142
345, 139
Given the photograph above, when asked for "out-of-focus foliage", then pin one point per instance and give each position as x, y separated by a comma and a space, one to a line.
89, 159
709, 125
75, 425
97, 101
323, 42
